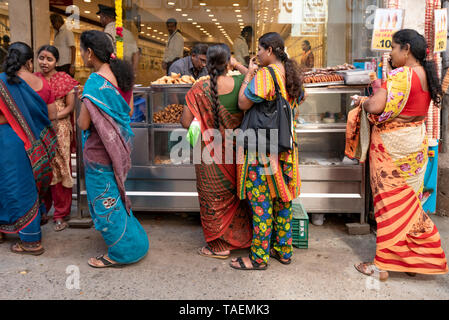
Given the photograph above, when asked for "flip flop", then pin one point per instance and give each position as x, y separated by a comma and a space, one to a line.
277, 256
23, 250
212, 255
60, 225
106, 263
255, 265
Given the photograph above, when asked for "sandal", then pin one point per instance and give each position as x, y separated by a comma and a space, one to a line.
368, 269
275, 254
20, 248
212, 253
60, 225
106, 263
255, 265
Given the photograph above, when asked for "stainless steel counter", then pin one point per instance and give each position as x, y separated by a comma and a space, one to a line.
329, 185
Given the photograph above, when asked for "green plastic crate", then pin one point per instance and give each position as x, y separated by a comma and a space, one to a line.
300, 226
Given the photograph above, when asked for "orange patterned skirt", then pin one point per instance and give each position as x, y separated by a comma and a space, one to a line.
407, 239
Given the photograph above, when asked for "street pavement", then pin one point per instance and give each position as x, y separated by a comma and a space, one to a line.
173, 269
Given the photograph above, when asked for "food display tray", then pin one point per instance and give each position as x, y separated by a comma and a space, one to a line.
323, 84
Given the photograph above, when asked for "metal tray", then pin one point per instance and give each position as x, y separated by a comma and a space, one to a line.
184, 85
323, 84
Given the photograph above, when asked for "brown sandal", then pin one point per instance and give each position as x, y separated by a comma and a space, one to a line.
20, 248
368, 269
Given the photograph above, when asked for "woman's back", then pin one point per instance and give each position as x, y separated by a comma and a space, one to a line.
228, 92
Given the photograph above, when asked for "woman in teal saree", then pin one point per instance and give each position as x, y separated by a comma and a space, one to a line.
105, 123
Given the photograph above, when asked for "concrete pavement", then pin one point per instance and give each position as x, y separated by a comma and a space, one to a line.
173, 270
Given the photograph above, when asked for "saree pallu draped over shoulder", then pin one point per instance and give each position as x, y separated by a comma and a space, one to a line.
407, 239
25, 170
226, 220
106, 155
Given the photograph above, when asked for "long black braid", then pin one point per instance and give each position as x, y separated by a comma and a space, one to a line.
218, 57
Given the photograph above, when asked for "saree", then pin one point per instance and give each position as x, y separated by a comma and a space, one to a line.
225, 219
407, 239
30, 141
61, 85
282, 171
106, 157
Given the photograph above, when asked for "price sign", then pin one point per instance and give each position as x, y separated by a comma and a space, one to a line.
386, 23
440, 30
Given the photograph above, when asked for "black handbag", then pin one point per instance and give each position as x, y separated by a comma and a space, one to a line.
264, 117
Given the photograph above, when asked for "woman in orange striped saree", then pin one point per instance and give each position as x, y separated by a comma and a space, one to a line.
407, 240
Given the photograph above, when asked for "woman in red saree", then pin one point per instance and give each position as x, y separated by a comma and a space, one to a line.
226, 220
62, 86
407, 240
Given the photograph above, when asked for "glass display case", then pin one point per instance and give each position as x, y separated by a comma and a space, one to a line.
331, 183
158, 181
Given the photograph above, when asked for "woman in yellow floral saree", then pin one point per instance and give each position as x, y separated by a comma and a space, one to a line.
407, 240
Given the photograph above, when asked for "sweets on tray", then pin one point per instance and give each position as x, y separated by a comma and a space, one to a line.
170, 114
175, 78
326, 74
323, 78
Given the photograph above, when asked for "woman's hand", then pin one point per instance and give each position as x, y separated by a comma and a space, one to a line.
80, 91
253, 67
233, 63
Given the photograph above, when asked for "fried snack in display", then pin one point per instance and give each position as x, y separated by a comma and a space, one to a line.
324, 75
174, 78
170, 114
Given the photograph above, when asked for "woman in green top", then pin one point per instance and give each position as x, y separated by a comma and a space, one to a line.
226, 220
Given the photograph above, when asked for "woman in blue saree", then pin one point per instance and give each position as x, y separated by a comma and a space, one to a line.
27, 147
105, 123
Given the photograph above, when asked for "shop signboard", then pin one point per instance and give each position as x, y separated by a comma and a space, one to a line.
386, 23
440, 30
311, 13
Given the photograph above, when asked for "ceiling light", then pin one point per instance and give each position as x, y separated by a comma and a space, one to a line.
198, 26
202, 3
184, 14
189, 19
235, 4
239, 16
87, 0
171, 3
238, 10
207, 10
240, 20
214, 19
177, 9
149, 28
154, 30
161, 33
217, 23
194, 22
87, 11
211, 15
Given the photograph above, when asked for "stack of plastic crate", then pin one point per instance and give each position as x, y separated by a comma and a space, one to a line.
300, 226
